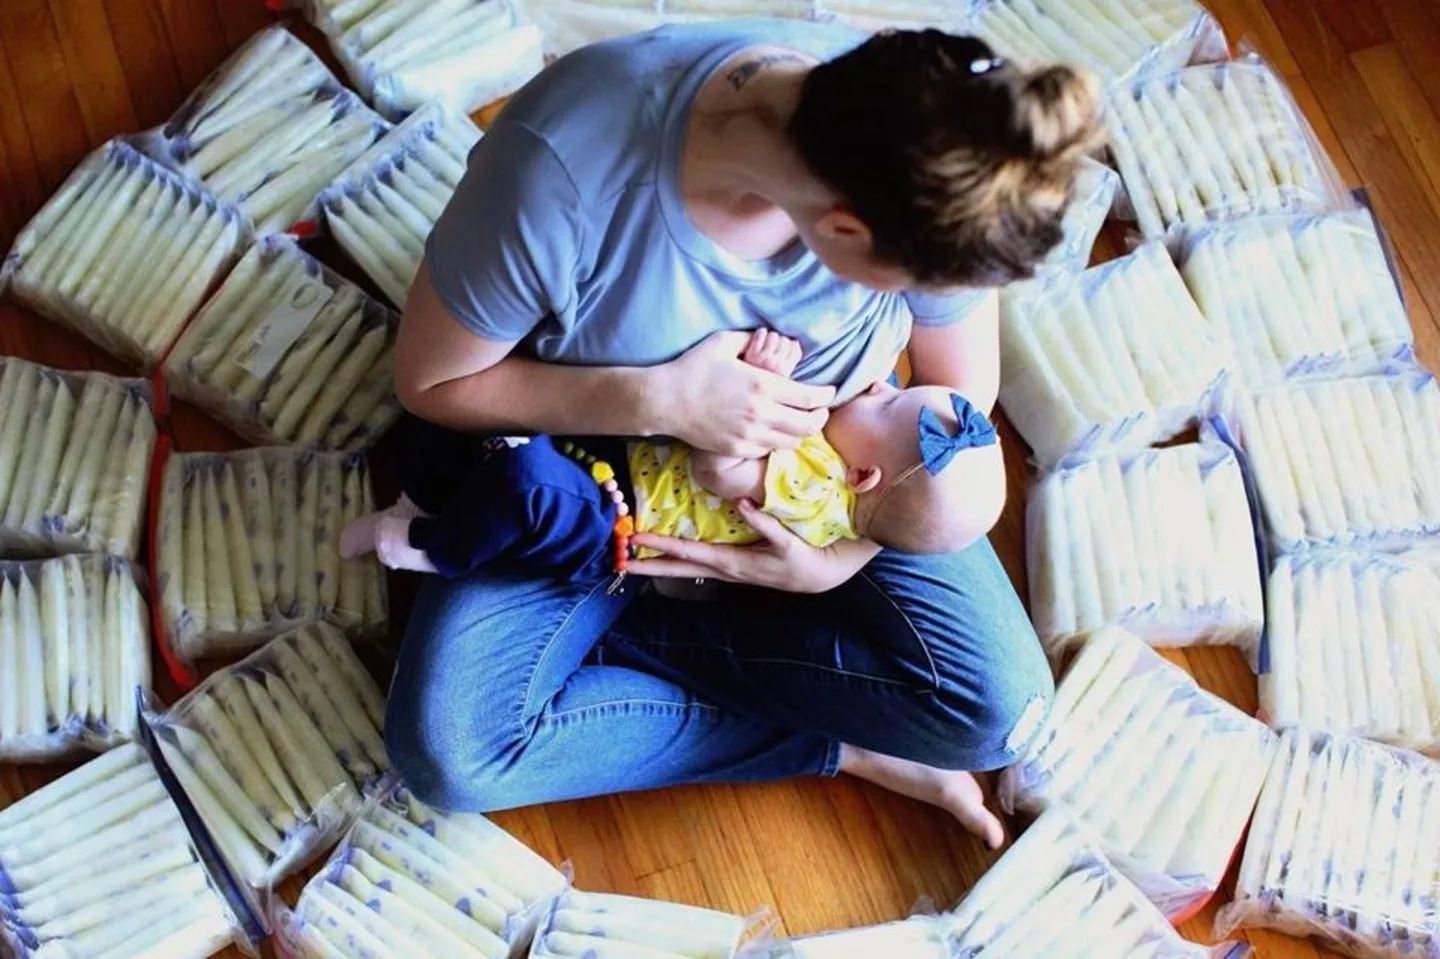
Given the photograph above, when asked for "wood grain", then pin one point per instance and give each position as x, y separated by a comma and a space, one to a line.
823, 854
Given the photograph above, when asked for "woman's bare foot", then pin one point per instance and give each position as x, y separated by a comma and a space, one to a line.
956, 791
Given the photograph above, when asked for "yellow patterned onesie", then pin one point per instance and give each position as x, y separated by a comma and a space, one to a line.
805, 489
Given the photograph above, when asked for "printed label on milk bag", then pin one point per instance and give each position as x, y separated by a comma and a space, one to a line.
301, 301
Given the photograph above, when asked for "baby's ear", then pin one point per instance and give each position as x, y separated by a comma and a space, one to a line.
863, 479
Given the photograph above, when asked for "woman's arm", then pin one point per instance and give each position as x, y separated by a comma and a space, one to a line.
708, 397
964, 356
781, 560
448, 375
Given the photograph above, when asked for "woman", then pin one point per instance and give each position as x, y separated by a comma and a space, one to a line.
633, 211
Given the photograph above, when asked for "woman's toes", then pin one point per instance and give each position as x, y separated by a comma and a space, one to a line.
956, 791
969, 808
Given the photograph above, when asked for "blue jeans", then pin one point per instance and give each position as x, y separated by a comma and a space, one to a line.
511, 692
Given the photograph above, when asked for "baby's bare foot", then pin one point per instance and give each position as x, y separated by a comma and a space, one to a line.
393, 549
956, 791
359, 537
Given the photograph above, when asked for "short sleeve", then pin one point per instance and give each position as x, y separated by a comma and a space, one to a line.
932, 309
504, 252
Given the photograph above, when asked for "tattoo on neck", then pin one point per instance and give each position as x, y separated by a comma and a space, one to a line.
746, 71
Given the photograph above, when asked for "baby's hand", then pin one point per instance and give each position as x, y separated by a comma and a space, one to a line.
772, 352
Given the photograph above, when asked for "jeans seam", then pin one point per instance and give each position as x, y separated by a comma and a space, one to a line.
525, 718
663, 705
831, 670
915, 632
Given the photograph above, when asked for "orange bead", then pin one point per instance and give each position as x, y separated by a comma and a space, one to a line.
625, 526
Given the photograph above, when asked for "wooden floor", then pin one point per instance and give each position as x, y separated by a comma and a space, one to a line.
822, 854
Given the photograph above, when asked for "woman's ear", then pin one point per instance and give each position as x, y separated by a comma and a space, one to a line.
843, 226
863, 479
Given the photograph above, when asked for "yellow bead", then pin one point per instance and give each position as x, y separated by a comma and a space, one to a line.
602, 472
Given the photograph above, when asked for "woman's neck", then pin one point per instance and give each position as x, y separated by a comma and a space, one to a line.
740, 179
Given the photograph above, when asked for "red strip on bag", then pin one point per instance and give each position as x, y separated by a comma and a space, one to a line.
1198, 906
183, 675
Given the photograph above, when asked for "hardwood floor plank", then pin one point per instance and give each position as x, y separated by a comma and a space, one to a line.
864, 843
47, 102
145, 55
1224, 671
1415, 25
1268, 944
94, 67
1357, 23
1413, 125
729, 863
241, 18
196, 37
653, 830
1396, 193
11, 788
1324, 131
532, 826
485, 116
1425, 321
590, 841
681, 883
19, 183
196, 432
806, 854
932, 857
1249, 27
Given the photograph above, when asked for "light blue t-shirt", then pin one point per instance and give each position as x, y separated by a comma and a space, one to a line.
568, 231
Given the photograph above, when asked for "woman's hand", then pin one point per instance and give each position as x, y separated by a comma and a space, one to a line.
781, 560
713, 400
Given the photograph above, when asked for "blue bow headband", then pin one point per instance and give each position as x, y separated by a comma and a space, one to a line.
938, 447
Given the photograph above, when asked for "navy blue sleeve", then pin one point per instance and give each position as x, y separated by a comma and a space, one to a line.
542, 529
460, 541
573, 534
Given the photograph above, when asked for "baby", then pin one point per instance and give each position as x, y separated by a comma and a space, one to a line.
896, 466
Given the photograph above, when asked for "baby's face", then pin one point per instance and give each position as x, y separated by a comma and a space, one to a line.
880, 427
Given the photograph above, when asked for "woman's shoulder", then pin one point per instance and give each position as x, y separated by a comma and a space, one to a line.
602, 109
598, 111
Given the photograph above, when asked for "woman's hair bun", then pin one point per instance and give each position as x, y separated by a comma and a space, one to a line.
959, 161
1057, 112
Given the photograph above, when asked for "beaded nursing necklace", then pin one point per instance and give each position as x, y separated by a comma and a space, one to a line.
604, 474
